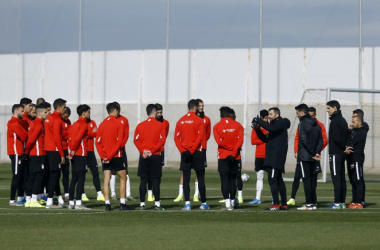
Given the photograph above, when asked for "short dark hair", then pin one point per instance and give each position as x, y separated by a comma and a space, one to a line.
58, 103
312, 109
25, 101
158, 106
333, 104
40, 108
15, 107
225, 111
359, 112
34, 105
192, 103
359, 118
275, 110
263, 113
117, 105
111, 107
232, 112
46, 104
199, 101
150, 108
302, 108
68, 111
82, 108
40, 101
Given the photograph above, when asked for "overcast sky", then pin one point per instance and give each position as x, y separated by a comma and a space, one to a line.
52, 25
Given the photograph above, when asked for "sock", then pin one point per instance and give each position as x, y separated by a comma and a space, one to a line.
181, 189
60, 200
71, 203
83, 195
128, 186
122, 200
113, 183
78, 202
259, 184
187, 202
150, 192
157, 203
99, 193
233, 202
34, 197
204, 203
49, 201
196, 189
107, 202
28, 198
240, 194
228, 202
142, 204
66, 195
20, 198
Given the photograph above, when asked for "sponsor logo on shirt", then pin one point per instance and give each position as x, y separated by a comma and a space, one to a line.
189, 122
230, 130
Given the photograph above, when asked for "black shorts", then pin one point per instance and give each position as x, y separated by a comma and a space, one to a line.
37, 164
54, 160
162, 158
91, 159
79, 163
239, 165
204, 157
195, 162
125, 159
259, 164
116, 164
150, 167
225, 166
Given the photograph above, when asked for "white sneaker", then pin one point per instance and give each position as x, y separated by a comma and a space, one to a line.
81, 207
305, 207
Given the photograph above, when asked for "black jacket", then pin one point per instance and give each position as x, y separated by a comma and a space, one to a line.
338, 134
310, 140
276, 142
357, 140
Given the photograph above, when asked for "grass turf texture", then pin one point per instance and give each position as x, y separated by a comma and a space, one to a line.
244, 228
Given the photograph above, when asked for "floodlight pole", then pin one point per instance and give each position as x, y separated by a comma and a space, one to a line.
167, 69
360, 53
79, 51
260, 56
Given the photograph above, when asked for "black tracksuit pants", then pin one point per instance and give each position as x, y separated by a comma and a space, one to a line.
277, 185
337, 170
355, 173
309, 179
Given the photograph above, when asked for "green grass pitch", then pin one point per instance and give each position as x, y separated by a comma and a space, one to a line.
247, 227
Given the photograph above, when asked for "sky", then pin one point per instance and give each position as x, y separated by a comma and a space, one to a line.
34, 26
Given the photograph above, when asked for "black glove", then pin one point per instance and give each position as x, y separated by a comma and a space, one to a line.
230, 159
186, 155
254, 124
23, 157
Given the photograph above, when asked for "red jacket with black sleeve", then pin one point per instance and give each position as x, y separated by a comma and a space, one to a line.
36, 134
124, 121
324, 137
78, 138
241, 137
260, 145
16, 137
109, 138
66, 125
227, 134
206, 131
166, 126
53, 133
188, 133
91, 135
150, 135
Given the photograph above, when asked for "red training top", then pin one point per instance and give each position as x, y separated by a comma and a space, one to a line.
53, 133
16, 137
125, 123
206, 131
91, 135
166, 126
241, 135
227, 134
26, 119
109, 138
78, 138
260, 145
66, 125
150, 135
36, 138
188, 133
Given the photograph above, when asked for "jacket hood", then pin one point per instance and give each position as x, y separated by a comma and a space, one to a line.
336, 114
287, 122
365, 128
307, 118
365, 125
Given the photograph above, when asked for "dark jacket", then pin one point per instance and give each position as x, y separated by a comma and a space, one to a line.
310, 140
276, 141
357, 140
338, 134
